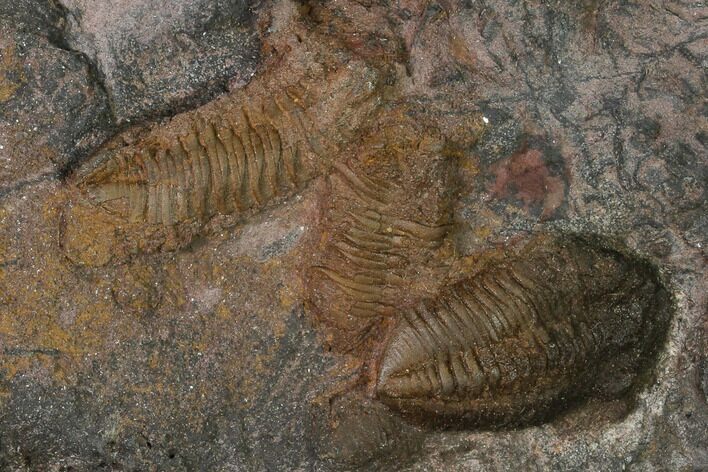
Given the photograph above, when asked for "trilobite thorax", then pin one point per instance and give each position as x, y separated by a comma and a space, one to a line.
558, 322
385, 216
235, 155
229, 164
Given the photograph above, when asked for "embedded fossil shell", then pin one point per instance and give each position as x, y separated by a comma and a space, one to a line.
520, 340
210, 168
235, 158
233, 164
379, 232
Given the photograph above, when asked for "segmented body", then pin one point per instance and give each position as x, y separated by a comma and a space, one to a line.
240, 152
371, 251
213, 167
228, 164
519, 338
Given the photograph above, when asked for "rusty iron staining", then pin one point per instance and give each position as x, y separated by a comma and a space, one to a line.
520, 340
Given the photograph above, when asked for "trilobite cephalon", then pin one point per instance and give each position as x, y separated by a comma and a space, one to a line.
563, 320
384, 218
236, 155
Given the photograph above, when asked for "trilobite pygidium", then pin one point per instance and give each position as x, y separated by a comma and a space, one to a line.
237, 154
564, 320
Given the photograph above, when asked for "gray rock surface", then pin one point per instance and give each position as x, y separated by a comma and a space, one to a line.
53, 108
155, 59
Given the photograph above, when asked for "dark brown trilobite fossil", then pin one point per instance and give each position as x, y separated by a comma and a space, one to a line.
234, 156
234, 163
228, 162
564, 320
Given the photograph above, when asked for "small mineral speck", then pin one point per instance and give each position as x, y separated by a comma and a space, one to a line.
486, 120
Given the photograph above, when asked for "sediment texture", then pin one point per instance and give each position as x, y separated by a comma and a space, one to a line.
210, 337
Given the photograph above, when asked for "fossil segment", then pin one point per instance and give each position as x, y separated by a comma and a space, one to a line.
228, 163
514, 343
374, 244
230, 158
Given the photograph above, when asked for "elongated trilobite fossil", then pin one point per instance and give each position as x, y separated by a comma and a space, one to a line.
565, 320
233, 156
378, 235
234, 163
252, 150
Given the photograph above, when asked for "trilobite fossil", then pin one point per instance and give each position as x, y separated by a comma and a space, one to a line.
378, 234
234, 163
233, 156
225, 163
564, 320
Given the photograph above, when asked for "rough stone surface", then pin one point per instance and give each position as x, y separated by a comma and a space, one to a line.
53, 109
153, 60
594, 121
